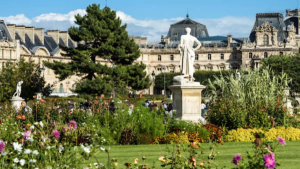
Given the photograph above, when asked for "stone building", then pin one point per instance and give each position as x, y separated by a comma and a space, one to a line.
272, 34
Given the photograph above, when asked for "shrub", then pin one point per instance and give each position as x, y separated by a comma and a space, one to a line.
145, 138
216, 133
171, 137
248, 101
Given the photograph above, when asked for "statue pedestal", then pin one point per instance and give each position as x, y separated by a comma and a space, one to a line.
16, 102
187, 100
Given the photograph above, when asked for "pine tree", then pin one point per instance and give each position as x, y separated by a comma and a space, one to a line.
102, 37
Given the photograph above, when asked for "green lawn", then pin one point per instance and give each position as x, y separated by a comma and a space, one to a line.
287, 155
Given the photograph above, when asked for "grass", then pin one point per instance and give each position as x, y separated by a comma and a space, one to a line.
287, 155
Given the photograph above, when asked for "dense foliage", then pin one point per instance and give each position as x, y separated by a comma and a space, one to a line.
28, 72
287, 64
102, 36
254, 100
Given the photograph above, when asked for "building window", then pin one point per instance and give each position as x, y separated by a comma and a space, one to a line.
159, 70
266, 40
172, 69
234, 57
222, 68
61, 88
159, 58
280, 53
222, 56
250, 55
171, 57
266, 55
2, 53
196, 57
209, 56
10, 53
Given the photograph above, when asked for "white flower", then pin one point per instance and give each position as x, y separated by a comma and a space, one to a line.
27, 151
32, 127
4, 153
30, 138
32, 160
86, 149
102, 148
101, 165
17, 146
60, 148
41, 124
48, 147
22, 162
35, 152
16, 160
36, 123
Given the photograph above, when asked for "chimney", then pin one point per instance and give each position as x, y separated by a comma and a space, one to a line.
40, 33
30, 33
64, 36
20, 29
54, 34
229, 39
11, 29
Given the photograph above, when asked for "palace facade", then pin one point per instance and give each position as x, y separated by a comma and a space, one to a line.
272, 34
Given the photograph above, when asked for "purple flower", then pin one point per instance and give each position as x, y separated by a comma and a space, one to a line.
2, 147
72, 125
281, 141
27, 134
56, 134
236, 159
269, 160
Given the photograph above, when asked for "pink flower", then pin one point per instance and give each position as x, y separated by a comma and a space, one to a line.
281, 141
2, 147
56, 134
269, 161
236, 159
72, 125
27, 134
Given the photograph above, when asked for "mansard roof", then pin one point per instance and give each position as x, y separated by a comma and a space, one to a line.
187, 21
274, 19
4, 33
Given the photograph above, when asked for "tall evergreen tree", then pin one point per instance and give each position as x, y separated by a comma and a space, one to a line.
102, 37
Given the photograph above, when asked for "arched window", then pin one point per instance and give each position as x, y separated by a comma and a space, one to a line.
159, 58
61, 88
196, 57
222, 56
171, 57
250, 55
266, 55
280, 53
266, 40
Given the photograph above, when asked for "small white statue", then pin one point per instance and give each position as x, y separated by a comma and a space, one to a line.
187, 54
238, 74
18, 91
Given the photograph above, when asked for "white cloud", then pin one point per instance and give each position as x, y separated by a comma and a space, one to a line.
19, 19
153, 29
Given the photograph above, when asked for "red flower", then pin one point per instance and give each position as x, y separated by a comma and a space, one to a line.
193, 160
23, 117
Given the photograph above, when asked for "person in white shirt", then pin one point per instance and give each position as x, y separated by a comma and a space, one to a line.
202, 109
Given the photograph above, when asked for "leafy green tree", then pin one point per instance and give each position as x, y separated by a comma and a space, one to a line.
29, 73
287, 64
102, 37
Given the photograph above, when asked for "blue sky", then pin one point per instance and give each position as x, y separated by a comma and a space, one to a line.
149, 18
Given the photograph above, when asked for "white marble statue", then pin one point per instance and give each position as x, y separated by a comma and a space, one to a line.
18, 91
187, 54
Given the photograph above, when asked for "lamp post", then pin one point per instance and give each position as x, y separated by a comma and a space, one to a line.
113, 66
153, 76
164, 81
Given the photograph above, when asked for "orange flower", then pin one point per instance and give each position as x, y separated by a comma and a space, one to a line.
283, 107
96, 97
221, 99
23, 117
50, 100
202, 163
42, 101
194, 144
278, 101
34, 96
19, 117
102, 95
55, 100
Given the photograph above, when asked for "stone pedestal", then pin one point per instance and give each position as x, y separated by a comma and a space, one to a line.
187, 100
16, 102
